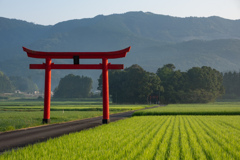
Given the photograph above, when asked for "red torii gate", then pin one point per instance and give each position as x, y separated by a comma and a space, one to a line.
48, 66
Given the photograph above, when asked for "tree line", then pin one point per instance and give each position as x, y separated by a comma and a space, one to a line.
197, 85
132, 85
135, 85
231, 82
72, 86
12, 83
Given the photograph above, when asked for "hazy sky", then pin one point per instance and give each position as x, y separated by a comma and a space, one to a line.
53, 11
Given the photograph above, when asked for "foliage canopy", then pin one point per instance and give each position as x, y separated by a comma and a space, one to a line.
197, 85
132, 85
72, 86
23, 84
135, 85
6, 85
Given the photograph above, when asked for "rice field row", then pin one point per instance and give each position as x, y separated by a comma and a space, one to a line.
34, 102
193, 109
145, 137
74, 108
17, 117
12, 120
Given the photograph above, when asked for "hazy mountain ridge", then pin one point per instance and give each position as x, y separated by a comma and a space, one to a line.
159, 27
222, 55
155, 39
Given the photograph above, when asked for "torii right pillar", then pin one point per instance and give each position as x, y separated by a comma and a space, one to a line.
105, 90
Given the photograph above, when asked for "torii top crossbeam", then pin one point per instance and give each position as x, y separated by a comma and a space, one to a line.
76, 56
82, 55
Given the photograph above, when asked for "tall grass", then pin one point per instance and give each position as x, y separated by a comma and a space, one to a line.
148, 137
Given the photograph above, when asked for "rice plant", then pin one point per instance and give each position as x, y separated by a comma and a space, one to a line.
145, 137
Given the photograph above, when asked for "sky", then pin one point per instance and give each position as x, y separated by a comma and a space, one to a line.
50, 12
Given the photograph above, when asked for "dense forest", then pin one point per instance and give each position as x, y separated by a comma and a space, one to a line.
231, 82
72, 86
135, 85
12, 83
197, 85
132, 85
6, 85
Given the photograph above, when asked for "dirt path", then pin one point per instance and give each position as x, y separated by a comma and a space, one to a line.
23, 137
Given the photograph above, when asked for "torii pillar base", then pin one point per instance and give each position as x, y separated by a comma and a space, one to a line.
105, 121
46, 121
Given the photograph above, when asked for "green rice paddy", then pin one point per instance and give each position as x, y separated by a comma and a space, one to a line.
231, 108
145, 137
23, 114
180, 131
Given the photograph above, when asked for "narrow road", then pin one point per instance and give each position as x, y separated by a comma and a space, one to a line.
23, 137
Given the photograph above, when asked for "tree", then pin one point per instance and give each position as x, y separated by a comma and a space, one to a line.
173, 82
197, 85
231, 83
207, 80
132, 85
72, 86
136, 86
5, 84
165, 72
23, 84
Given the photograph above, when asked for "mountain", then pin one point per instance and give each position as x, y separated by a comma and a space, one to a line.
223, 55
155, 40
15, 33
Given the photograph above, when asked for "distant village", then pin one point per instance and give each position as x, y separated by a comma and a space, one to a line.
18, 93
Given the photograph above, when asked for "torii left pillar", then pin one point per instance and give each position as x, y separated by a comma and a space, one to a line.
48, 66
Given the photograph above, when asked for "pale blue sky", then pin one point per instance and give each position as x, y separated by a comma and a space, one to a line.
53, 11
